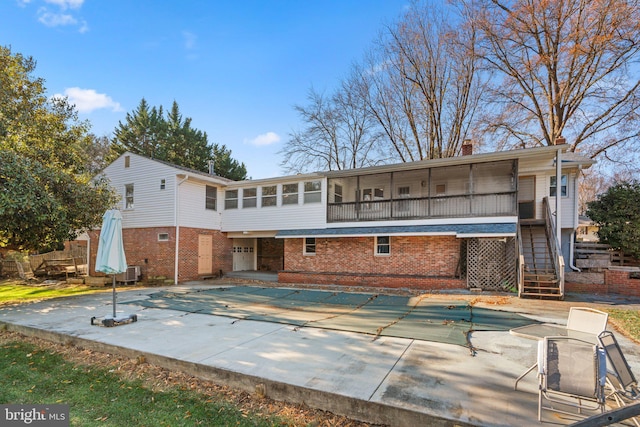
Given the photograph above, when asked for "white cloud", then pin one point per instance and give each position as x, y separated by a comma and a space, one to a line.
55, 19
62, 12
265, 139
87, 100
66, 4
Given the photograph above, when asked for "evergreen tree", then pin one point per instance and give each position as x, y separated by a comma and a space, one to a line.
617, 213
226, 166
142, 133
148, 132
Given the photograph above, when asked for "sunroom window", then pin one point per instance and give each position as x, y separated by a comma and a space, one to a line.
249, 197
312, 191
290, 194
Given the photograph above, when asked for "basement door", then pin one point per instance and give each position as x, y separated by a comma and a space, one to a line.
244, 254
205, 254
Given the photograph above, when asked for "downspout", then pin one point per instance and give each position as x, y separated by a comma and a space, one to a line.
175, 218
559, 197
572, 243
571, 256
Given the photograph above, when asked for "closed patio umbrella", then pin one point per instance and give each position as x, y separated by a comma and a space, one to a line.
111, 258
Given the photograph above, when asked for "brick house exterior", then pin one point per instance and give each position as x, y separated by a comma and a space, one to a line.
405, 225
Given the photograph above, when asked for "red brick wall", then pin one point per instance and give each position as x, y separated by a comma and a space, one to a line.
188, 259
616, 281
621, 282
415, 261
270, 254
156, 258
141, 246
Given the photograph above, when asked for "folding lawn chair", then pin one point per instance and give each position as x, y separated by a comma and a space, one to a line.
621, 381
588, 320
583, 323
572, 374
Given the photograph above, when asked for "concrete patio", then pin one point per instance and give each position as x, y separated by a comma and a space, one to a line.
379, 380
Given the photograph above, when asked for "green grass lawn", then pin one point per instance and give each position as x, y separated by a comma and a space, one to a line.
628, 321
16, 291
97, 397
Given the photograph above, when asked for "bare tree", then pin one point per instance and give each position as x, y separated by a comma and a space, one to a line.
413, 97
567, 67
424, 83
337, 135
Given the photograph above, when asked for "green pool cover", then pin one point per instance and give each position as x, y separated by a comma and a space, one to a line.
377, 315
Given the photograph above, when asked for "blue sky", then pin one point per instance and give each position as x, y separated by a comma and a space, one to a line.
236, 68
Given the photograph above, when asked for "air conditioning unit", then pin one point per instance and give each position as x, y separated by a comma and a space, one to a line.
131, 275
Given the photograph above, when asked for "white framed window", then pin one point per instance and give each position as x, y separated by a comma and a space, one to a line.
309, 246
128, 196
163, 237
269, 196
313, 191
231, 199
563, 186
249, 197
211, 198
383, 245
290, 194
163, 184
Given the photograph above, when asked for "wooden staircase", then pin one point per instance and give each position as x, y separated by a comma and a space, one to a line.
540, 278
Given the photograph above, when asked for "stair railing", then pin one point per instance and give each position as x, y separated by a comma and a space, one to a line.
520, 258
554, 245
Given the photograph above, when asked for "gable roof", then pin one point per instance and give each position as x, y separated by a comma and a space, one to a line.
181, 170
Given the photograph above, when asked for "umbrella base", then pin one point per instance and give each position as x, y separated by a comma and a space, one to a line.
110, 321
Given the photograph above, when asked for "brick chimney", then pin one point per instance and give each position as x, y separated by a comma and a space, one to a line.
467, 147
560, 140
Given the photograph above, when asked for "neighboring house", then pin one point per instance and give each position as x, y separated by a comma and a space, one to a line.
587, 230
479, 221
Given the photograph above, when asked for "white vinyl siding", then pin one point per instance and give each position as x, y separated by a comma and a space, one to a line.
153, 207
192, 211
